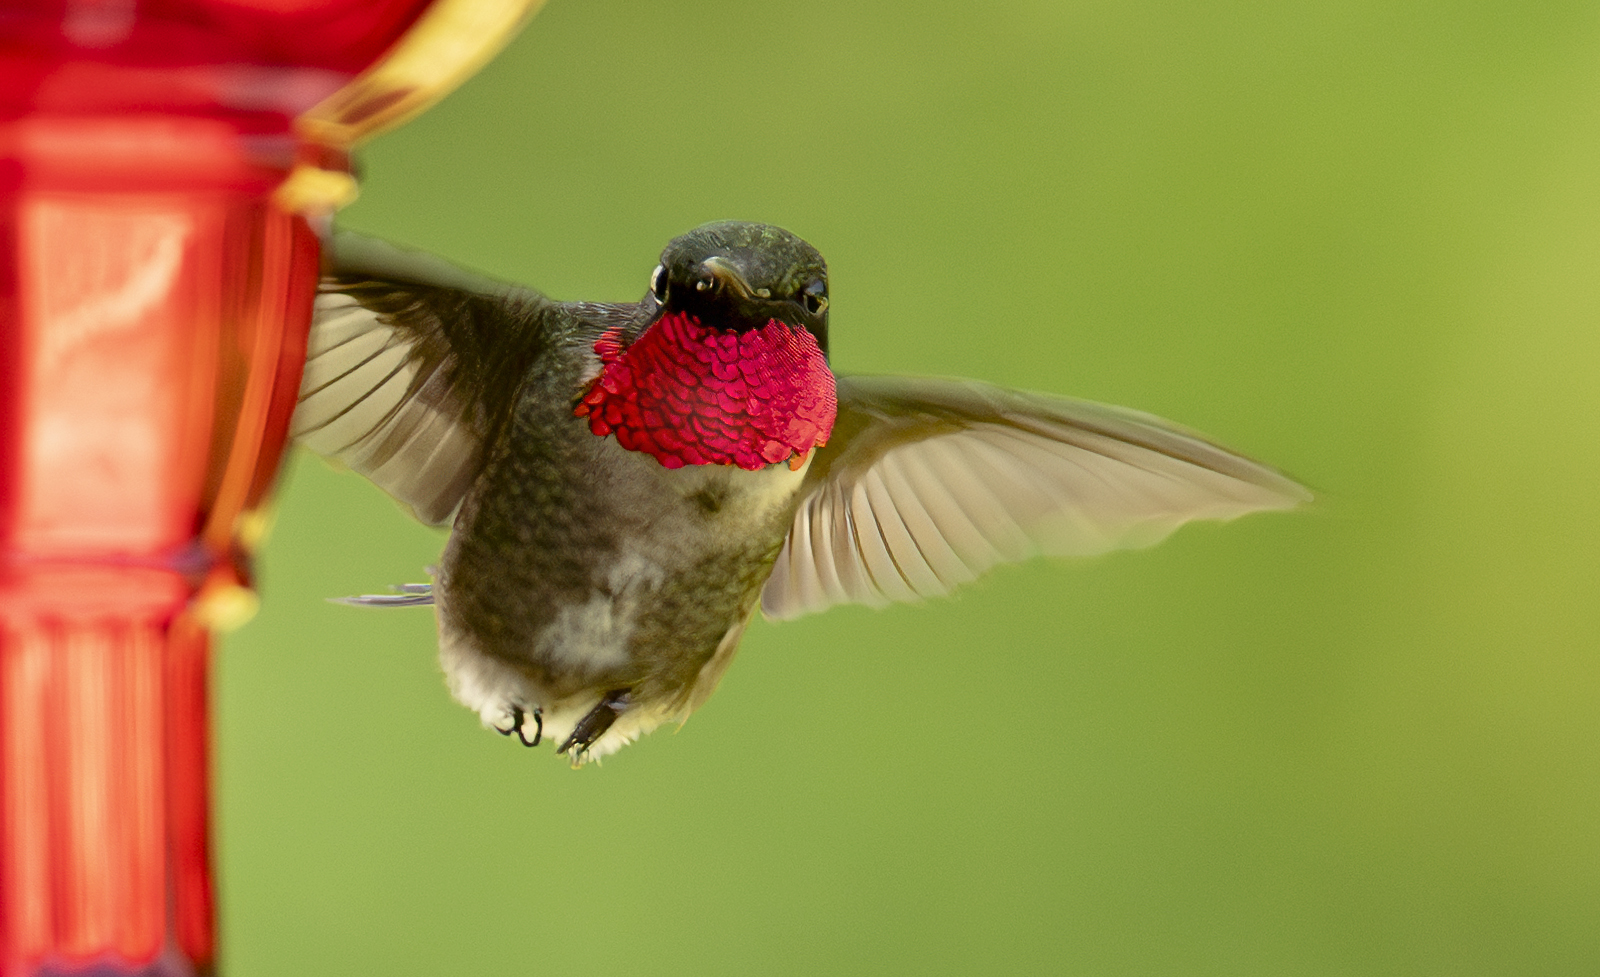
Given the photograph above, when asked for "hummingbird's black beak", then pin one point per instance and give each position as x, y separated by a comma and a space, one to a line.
723, 271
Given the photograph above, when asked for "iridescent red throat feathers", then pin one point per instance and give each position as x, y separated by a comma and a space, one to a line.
687, 394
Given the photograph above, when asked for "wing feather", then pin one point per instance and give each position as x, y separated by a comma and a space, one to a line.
929, 483
910, 490
915, 575
412, 367
854, 576
873, 549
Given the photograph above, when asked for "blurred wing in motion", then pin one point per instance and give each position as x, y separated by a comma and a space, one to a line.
412, 365
927, 483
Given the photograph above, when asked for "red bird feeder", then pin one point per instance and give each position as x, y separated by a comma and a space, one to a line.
161, 164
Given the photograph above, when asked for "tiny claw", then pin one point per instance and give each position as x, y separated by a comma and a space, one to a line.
516, 723
538, 729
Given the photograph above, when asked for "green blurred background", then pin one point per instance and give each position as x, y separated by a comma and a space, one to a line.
1357, 239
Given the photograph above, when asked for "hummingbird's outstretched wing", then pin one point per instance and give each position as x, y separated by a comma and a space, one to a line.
412, 365
927, 483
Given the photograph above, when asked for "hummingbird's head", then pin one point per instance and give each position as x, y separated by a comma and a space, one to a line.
732, 368
735, 275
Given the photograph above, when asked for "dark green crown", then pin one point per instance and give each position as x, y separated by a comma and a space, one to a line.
739, 275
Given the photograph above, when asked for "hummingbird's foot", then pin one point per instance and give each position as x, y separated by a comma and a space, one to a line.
538, 729
595, 723
518, 725
516, 722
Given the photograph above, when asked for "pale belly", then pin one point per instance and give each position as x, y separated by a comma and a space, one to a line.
637, 586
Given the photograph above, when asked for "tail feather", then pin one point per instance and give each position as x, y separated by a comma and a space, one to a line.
405, 595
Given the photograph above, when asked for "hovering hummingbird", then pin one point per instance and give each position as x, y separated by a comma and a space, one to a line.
627, 482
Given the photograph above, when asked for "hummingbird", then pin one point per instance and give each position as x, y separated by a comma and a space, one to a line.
627, 483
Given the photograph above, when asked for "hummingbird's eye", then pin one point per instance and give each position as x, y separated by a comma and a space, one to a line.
815, 297
658, 284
